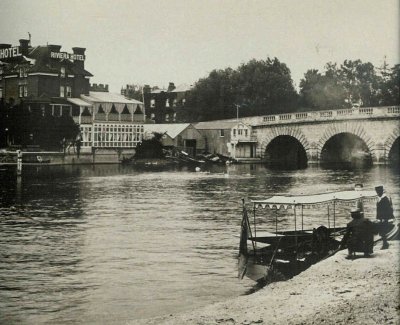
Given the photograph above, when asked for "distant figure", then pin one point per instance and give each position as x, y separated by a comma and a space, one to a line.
384, 212
78, 143
64, 145
359, 203
359, 236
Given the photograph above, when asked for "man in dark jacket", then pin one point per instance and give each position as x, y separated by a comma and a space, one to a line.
384, 212
359, 236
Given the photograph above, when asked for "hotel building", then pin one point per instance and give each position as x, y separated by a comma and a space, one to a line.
46, 80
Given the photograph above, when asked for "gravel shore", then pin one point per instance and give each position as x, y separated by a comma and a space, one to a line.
334, 291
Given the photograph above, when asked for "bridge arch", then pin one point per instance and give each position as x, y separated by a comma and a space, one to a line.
390, 142
277, 133
355, 129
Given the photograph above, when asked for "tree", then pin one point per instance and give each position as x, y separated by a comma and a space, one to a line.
389, 93
353, 83
134, 92
258, 87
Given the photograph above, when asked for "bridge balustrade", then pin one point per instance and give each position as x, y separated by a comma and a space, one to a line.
367, 111
270, 118
285, 117
348, 113
394, 110
301, 116
326, 114
344, 112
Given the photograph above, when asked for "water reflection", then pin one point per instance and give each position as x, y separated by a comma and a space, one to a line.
111, 243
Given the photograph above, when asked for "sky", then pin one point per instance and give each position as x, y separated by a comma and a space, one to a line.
158, 41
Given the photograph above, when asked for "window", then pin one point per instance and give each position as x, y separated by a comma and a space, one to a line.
152, 103
167, 103
23, 73
234, 132
183, 102
1, 92
62, 91
174, 117
23, 91
152, 116
245, 132
221, 132
69, 91
240, 131
167, 117
62, 74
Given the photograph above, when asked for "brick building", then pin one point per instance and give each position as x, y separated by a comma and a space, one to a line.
42, 77
46, 80
162, 105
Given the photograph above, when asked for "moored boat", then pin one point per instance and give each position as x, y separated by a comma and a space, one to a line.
286, 234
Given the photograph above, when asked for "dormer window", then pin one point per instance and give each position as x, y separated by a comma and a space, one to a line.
62, 73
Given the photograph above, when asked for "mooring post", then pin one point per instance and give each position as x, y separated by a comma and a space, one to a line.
19, 162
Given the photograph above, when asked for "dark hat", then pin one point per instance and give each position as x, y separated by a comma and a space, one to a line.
379, 188
355, 213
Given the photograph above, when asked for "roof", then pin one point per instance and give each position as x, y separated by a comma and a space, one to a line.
106, 97
215, 125
290, 201
79, 102
157, 91
181, 88
173, 130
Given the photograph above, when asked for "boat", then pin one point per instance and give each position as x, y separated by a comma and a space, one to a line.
277, 241
182, 157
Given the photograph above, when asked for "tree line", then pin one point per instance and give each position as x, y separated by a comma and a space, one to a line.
262, 87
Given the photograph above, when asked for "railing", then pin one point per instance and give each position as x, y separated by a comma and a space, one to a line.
340, 114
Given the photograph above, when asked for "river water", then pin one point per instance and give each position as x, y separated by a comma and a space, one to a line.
108, 244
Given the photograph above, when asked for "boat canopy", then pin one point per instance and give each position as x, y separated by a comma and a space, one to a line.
311, 201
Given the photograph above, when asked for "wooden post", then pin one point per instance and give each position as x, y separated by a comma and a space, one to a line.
19, 162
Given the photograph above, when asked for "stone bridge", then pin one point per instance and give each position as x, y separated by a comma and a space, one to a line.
373, 132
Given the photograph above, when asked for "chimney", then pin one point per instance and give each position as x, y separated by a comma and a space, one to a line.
81, 52
171, 86
146, 89
54, 48
106, 88
24, 46
4, 46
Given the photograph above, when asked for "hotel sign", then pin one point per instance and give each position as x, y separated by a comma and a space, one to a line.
11, 52
67, 56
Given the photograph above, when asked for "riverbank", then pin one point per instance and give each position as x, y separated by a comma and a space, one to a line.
334, 291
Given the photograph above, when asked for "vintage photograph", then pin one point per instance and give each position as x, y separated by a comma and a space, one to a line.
205, 162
